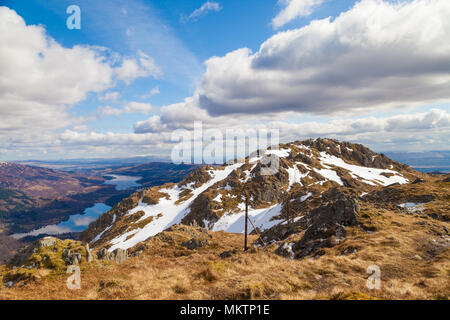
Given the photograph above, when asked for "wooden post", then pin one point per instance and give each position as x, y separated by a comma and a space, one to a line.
246, 221
288, 213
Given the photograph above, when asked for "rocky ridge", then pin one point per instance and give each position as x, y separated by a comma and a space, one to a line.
315, 177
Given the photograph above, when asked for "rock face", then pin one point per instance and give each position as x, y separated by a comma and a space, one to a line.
213, 197
194, 244
71, 258
47, 254
24, 255
326, 225
227, 254
89, 256
119, 256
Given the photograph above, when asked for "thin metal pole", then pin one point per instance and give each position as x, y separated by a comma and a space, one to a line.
246, 221
259, 234
288, 212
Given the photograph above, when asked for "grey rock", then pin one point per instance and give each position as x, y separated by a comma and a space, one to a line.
227, 254
89, 256
118, 255
23, 255
139, 250
327, 224
47, 242
194, 244
71, 258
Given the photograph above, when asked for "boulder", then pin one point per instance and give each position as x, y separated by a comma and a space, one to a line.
326, 225
71, 258
89, 256
24, 254
227, 254
118, 255
194, 244
47, 242
136, 252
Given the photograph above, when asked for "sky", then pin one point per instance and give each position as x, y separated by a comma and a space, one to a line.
371, 71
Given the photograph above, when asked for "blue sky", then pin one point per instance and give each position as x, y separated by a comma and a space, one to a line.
162, 34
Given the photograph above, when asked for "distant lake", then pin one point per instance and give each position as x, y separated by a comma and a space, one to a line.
433, 169
123, 182
76, 223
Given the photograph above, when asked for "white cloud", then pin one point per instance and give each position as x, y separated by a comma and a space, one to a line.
153, 124
202, 11
400, 132
71, 137
143, 66
377, 55
40, 80
151, 93
109, 111
138, 107
110, 96
130, 108
293, 9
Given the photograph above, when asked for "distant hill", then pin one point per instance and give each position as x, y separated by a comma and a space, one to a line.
154, 173
433, 161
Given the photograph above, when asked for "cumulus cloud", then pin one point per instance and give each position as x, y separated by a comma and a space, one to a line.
436, 120
293, 9
138, 107
110, 96
143, 66
71, 137
40, 80
151, 93
381, 133
376, 55
130, 108
206, 8
109, 111
153, 124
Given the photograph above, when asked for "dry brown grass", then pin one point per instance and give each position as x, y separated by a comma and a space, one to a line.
166, 270
412, 251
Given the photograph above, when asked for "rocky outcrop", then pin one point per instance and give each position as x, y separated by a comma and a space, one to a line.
307, 171
325, 227
194, 244
46, 255
23, 256
89, 256
119, 255
227, 254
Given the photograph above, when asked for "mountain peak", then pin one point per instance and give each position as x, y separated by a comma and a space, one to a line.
214, 196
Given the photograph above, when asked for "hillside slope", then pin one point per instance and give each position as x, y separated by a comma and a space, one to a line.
319, 235
213, 197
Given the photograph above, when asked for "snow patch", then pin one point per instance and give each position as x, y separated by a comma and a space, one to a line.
261, 218
366, 175
172, 212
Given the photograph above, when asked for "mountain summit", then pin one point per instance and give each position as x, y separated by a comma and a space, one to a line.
213, 197
330, 216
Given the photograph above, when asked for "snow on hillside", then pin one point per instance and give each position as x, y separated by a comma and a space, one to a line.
324, 167
172, 213
261, 218
368, 175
